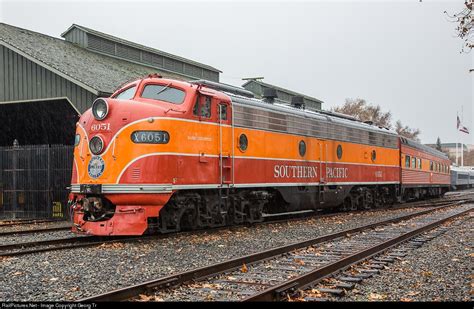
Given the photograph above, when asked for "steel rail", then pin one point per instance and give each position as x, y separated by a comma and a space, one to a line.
82, 240
29, 221
278, 292
78, 242
229, 265
32, 231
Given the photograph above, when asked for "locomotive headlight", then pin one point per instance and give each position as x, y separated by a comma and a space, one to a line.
100, 109
96, 145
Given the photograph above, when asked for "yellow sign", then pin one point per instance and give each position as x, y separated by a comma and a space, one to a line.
58, 210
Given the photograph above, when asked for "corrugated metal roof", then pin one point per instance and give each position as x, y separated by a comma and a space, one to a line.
83, 67
139, 46
293, 93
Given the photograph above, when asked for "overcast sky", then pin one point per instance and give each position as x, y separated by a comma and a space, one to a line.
402, 55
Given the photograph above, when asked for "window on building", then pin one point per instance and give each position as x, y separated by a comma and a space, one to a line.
407, 161
413, 162
418, 163
431, 165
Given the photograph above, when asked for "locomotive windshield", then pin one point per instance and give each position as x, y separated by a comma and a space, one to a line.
126, 94
163, 93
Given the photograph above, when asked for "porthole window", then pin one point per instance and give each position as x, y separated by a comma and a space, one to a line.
339, 152
243, 142
374, 155
302, 148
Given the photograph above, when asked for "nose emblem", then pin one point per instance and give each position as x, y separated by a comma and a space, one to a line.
96, 167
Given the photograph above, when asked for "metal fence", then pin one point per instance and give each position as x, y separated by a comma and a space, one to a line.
34, 181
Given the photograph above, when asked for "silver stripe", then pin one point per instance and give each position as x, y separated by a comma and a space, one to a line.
168, 188
125, 188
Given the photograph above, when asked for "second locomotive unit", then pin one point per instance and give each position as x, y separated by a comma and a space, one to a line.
163, 155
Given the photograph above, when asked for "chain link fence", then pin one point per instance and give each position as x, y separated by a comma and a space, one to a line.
34, 181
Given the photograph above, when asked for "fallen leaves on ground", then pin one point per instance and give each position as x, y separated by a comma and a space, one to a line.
4, 258
374, 296
427, 273
143, 297
115, 245
299, 262
244, 268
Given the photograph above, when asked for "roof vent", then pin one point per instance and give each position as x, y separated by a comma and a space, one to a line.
223, 87
297, 101
269, 95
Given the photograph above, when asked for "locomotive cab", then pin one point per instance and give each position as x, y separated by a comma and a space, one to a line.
132, 148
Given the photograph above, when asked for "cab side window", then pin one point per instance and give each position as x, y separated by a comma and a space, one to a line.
206, 107
223, 111
202, 107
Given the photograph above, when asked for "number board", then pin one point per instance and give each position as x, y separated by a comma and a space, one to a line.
150, 137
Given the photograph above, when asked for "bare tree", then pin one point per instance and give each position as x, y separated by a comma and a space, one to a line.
465, 25
363, 111
406, 131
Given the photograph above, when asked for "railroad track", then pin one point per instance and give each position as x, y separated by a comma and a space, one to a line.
25, 248
28, 221
273, 274
18, 249
269, 218
31, 231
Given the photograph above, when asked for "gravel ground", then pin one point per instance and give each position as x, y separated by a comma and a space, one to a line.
293, 264
13, 239
440, 270
73, 274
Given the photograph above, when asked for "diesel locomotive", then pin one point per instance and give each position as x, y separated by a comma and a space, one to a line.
163, 155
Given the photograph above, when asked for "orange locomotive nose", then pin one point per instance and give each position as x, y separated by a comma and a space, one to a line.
121, 162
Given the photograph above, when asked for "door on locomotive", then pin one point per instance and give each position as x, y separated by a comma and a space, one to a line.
211, 109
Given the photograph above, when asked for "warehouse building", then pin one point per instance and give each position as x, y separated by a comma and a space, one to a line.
46, 82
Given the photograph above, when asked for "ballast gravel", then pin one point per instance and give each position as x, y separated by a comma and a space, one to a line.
74, 274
